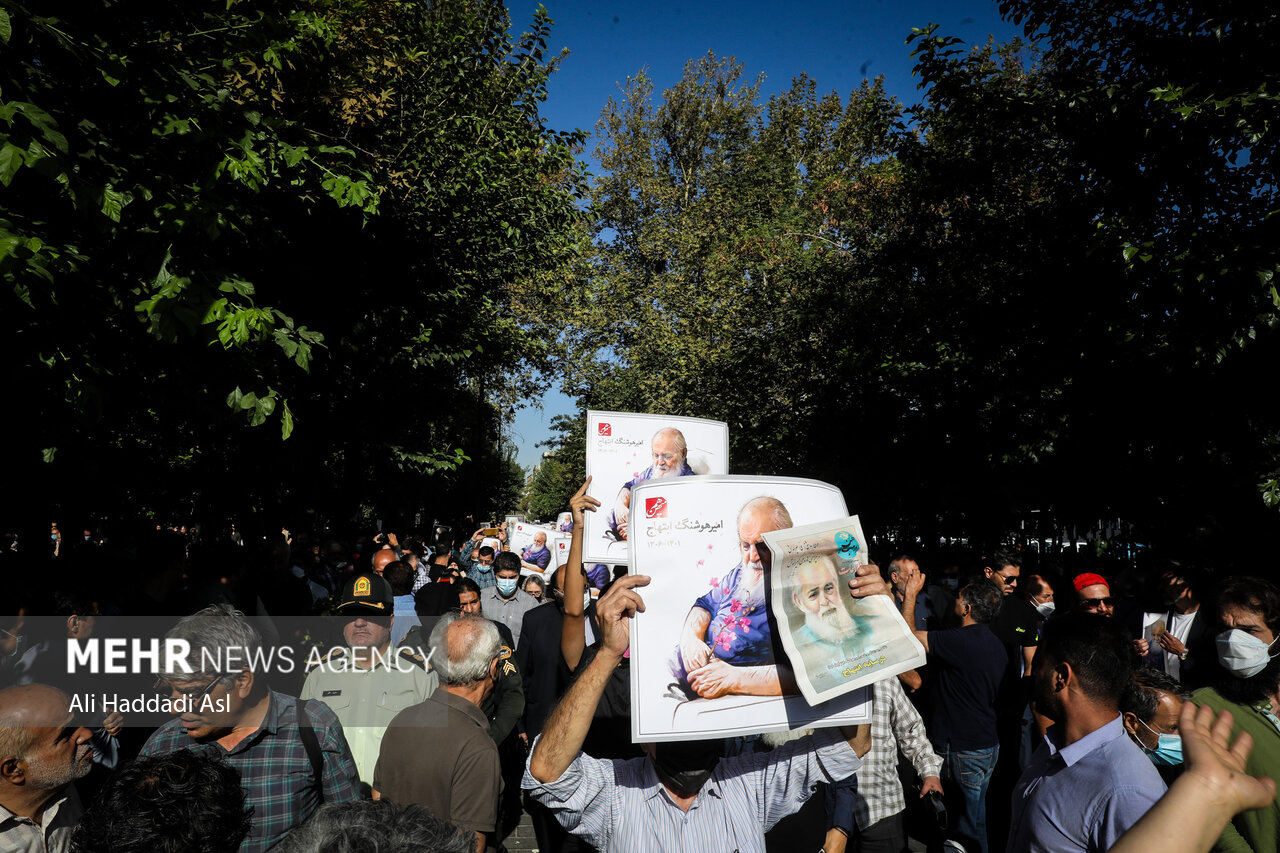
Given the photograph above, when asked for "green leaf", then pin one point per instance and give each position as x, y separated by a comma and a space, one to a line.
11, 159
113, 201
286, 423
6, 27
48, 453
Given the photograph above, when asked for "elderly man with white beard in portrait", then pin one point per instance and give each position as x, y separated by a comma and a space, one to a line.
830, 634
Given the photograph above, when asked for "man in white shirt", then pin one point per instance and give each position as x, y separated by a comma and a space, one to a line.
1175, 632
42, 752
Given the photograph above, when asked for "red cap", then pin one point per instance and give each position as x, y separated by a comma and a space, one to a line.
1089, 579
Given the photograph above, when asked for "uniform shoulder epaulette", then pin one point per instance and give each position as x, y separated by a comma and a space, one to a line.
508, 665
333, 655
414, 658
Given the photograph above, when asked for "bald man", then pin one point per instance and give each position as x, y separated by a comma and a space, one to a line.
670, 459
536, 557
726, 646
381, 559
42, 751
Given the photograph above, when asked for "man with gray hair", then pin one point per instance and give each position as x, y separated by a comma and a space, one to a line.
42, 751
291, 754
462, 780
377, 825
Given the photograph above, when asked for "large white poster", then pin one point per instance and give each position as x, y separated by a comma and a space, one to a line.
624, 450
705, 659
836, 643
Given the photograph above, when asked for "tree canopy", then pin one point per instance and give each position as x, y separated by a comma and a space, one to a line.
1047, 287
306, 215
304, 255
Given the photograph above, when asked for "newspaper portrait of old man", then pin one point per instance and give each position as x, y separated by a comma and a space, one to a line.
835, 643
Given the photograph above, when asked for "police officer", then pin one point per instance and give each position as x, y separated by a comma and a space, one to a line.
368, 681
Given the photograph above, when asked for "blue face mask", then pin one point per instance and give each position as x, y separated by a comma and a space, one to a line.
1168, 749
507, 586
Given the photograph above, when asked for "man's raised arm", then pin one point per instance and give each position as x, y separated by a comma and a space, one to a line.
573, 625
562, 736
915, 583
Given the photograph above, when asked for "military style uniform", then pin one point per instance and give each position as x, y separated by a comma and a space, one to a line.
366, 700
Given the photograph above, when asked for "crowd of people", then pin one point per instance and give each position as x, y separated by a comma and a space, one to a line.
423, 692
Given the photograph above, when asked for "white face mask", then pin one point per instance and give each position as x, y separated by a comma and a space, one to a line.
1242, 653
1045, 608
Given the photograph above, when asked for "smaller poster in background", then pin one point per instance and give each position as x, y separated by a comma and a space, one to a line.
530, 542
560, 553
624, 450
835, 643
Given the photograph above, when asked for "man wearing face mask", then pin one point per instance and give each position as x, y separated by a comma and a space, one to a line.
1087, 782
680, 796
1040, 595
1151, 708
1249, 614
505, 602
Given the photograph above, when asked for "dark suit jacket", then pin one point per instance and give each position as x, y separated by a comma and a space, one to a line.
1201, 666
538, 659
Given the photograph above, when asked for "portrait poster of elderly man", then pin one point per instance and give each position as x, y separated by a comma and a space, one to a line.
625, 450
703, 661
533, 543
835, 643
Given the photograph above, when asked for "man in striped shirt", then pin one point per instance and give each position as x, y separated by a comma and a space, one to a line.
869, 806
682, 796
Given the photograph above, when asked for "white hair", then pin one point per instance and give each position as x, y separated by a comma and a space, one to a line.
675, 435
463, 647
776, 509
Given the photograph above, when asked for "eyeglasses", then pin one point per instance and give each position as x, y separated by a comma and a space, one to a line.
1095, 603
1007, 580
192, 696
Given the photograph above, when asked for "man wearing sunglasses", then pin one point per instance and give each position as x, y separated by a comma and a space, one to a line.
291, 754
1093, 594
371, 679
1017, 626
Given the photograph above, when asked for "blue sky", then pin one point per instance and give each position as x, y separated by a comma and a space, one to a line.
835, 43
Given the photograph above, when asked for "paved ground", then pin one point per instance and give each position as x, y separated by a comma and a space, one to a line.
522, 838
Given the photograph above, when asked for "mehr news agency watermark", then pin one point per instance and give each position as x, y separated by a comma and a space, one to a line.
170, 659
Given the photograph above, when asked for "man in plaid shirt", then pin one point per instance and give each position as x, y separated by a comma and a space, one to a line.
869, 805
287, 766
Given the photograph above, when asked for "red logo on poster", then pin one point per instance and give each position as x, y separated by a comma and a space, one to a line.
655, 507
604, 429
